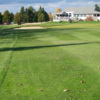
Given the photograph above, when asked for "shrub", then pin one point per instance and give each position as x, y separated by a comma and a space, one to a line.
70, 20
76, 19
81, 20
89, 18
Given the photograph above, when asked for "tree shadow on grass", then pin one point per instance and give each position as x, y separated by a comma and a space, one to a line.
40, 47
9, 33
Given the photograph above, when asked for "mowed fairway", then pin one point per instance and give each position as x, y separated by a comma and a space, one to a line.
41, 64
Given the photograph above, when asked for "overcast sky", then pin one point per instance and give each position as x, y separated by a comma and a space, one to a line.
49, 5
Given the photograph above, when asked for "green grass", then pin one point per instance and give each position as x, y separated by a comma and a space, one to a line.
40, 64
66, 24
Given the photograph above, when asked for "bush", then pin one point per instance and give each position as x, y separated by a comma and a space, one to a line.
81, 20
70, 20
89, 18
76, 19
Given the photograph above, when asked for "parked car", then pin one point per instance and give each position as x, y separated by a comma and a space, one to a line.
5, 23
22, 22
12, 22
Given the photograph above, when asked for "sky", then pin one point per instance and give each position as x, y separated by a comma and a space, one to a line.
49, 5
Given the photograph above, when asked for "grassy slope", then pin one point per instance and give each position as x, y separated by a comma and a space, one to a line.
40, 64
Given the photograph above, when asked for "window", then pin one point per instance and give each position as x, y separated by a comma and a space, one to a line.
95, 15
84, 15
75, 15
66, 14
98, 15
81, 15
69, 14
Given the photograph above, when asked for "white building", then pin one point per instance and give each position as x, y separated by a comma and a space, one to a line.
77, 12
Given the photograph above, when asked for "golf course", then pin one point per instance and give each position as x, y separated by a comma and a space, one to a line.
56, 61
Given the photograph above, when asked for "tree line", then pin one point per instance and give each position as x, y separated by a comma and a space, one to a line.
26, 15
6, 17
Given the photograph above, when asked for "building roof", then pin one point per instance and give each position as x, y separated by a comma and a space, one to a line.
82, 10
60, 13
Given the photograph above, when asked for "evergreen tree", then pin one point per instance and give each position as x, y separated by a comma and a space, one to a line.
17, 18
41, 18
41, 11
11, 17
97, 8
31, 12
46, 16
6, 17
26, 17
1, 18
22, 14
35, 19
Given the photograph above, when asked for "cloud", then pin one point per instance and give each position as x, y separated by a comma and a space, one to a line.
49, 7
39, 1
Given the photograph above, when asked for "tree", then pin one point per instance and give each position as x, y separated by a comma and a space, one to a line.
46, 16
26, 17
41, 18
22, 14
58, 10
29, 14
42, 12
97, 8
1, 18
35, 19
6, 17
50, 16
11, 17
17, 18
